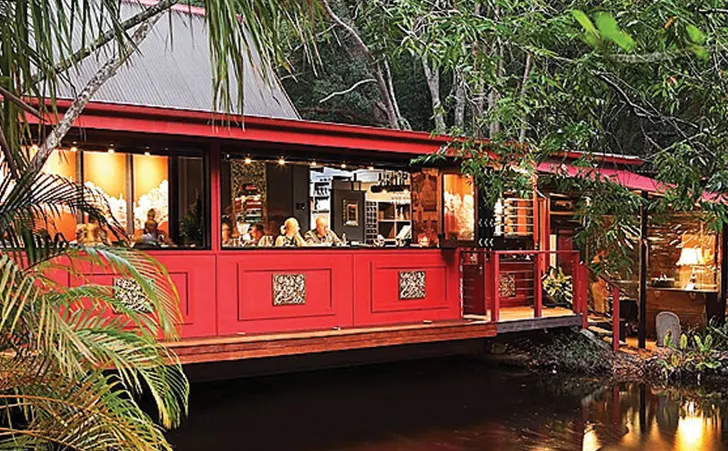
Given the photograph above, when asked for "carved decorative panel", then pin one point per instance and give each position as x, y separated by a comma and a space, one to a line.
412, 285
242, 174
507, 285
289, 289
129, 293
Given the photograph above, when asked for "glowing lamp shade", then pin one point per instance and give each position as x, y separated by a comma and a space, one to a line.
690, 256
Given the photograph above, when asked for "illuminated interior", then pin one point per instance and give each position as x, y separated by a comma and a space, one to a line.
337, 204
138, 187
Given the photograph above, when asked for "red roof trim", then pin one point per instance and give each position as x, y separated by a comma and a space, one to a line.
627, 179
155, 120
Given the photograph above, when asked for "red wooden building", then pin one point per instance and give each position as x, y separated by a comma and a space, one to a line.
408, 264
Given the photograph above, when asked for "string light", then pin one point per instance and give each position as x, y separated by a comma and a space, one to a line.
313, 164
343, 165
34, 147
146, 154
73, 149
111, 151
281, 161
371, 168
248, 160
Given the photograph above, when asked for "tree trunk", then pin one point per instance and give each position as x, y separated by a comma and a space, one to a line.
433, 82
377, 72
459, 101
494, 95
478, 88
524, 80
106, 71
401, 121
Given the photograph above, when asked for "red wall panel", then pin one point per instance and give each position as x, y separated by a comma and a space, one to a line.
377, 300
245, 288
193, 274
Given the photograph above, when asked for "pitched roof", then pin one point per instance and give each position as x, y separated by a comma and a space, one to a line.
172, 70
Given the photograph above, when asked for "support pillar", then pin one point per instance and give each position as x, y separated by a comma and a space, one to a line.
644, 255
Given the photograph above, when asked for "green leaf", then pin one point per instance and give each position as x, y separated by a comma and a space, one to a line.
698, 341
591, 35
584, 21
609, 28
695, 34
699, 51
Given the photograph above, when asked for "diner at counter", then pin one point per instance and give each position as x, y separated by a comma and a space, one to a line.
320, 236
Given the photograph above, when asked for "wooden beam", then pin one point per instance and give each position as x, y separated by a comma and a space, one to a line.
554, 322
275, 345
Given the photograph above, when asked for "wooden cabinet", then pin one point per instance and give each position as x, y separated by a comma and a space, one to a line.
689, 305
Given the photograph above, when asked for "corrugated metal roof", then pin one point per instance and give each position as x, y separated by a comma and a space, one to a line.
172, 69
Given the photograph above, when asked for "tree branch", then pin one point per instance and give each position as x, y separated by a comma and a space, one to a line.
377, 69
106, 71
107, 36
346, 91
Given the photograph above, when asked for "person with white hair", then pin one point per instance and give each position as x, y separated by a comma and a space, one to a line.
290, 234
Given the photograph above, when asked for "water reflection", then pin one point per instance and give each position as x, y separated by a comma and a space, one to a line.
636, 417
445, 404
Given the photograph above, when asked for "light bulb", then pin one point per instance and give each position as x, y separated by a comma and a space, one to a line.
248, 160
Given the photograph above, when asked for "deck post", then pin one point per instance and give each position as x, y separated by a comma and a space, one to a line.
615, 318
581, 293
537, 287
496, 287
644, 255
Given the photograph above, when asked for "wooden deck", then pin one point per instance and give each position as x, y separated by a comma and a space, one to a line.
517, 319
288, 344
256, 346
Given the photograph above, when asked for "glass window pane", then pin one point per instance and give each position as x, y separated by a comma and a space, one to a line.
151, 192
459, 207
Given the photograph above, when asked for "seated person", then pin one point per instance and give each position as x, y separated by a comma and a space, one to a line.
258, 237
322, 235
92, 234
290, 236
227, 233
151, 235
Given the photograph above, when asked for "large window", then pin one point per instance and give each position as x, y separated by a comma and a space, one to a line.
279, 203
683, 253
158, 199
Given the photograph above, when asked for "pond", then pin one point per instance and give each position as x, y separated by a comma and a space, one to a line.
445, 404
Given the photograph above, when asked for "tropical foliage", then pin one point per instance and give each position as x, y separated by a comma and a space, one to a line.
75, 353
540, 78
62, 331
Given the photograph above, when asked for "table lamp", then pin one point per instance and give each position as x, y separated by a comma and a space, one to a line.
691, 256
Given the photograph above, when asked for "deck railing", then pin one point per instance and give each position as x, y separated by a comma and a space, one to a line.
616, 293
493, 280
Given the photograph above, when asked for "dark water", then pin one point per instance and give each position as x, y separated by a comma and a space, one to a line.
445, 404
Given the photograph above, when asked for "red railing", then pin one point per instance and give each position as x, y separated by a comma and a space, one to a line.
493, 280
616, 293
